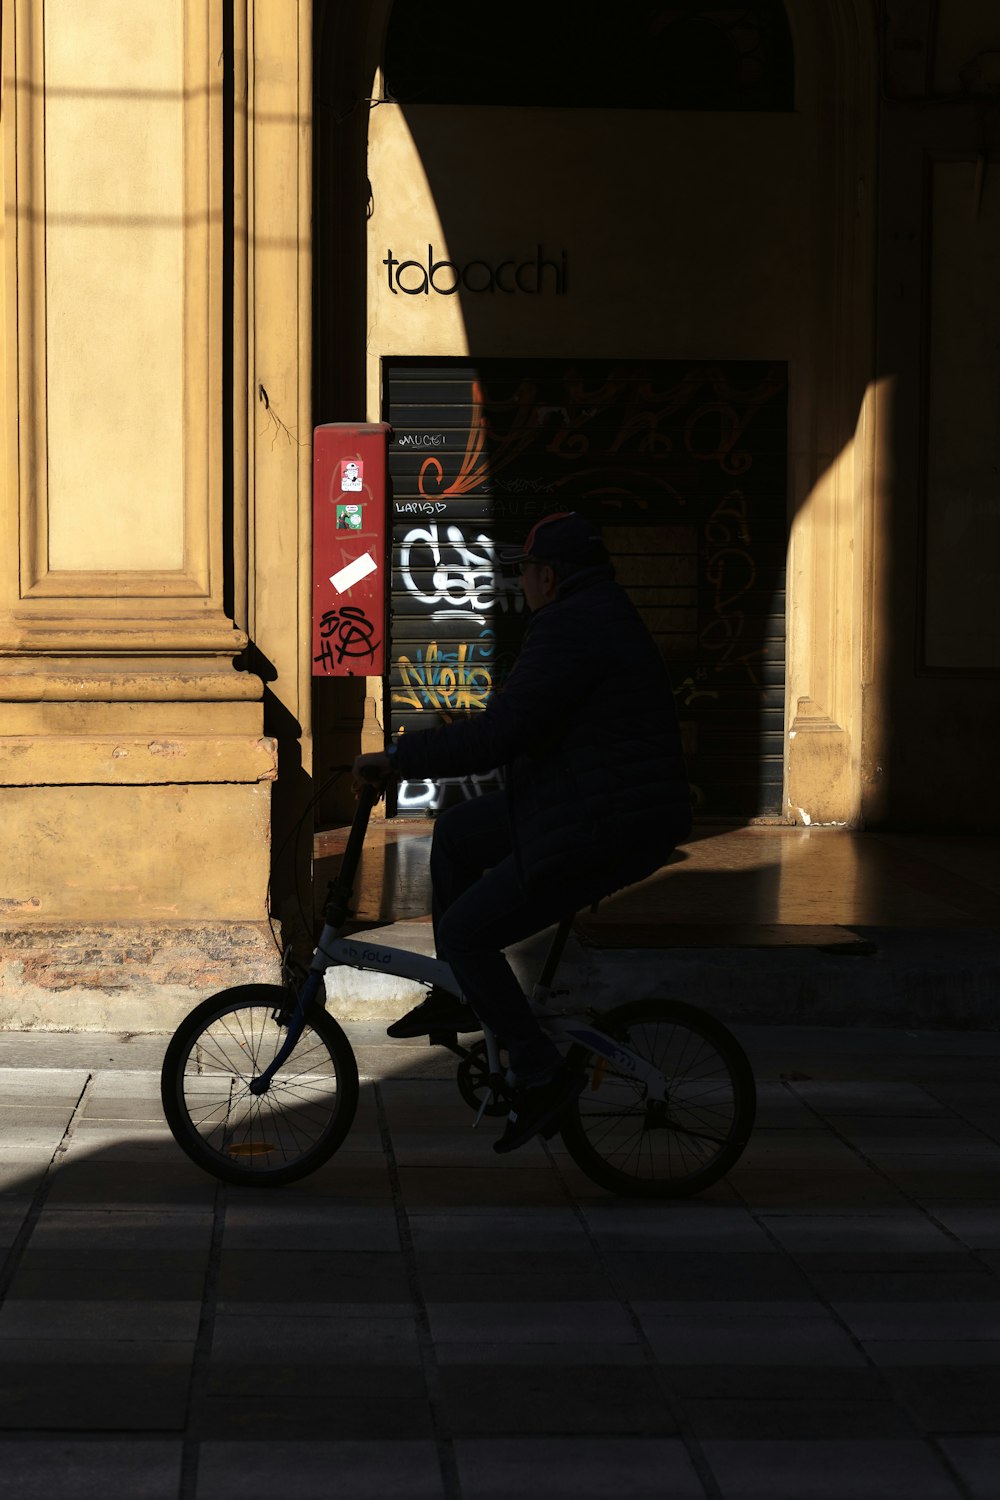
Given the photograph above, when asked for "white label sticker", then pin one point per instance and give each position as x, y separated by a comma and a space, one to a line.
354, 572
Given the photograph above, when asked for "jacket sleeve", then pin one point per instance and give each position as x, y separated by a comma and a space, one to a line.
536, 707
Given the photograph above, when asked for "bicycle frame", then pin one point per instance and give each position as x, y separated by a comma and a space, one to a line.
562, 1027
369, 955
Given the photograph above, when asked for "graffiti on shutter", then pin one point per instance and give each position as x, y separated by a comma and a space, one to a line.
683, 465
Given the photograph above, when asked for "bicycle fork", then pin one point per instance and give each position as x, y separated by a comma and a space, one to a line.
296, 1026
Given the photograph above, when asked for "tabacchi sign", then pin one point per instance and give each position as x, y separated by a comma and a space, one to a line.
532, 276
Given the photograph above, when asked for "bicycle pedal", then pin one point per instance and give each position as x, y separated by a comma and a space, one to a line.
551, 1129
447, 1039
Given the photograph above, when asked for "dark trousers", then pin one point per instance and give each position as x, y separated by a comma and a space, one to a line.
481, 906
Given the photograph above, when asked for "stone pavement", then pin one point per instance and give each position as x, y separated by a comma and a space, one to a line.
424, 1319
762, 923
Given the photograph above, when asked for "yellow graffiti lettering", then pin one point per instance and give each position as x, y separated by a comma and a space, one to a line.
445, 684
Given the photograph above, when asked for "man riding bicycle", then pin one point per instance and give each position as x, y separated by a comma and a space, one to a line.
596, 797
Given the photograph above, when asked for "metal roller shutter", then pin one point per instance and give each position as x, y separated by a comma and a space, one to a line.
685, 468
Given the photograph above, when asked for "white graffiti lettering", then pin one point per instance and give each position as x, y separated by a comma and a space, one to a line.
420, 507
463, 576
427, 796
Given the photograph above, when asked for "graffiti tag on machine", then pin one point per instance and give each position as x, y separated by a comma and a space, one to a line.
345, 632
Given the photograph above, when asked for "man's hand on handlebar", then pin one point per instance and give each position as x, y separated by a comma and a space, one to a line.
371, 770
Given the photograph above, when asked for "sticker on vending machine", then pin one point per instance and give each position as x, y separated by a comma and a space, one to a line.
349, 517
352, 472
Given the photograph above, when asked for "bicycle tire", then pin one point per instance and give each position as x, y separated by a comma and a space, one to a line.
278, 1136
640, 1147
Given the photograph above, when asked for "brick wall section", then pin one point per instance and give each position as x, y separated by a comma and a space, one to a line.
125, 976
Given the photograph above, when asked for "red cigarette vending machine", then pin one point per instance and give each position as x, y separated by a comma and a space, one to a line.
350, 555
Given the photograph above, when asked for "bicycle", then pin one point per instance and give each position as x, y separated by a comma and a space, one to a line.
260, 1083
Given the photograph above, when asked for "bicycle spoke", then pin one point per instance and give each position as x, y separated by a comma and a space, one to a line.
262, 1131
669, 1140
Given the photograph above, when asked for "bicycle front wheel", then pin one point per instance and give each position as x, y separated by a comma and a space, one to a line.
662, 1148
270, 1138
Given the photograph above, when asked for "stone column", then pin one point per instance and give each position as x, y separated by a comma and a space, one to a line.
135, 778
833, 470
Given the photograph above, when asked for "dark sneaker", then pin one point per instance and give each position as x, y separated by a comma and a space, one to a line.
439, 1012
536, 1111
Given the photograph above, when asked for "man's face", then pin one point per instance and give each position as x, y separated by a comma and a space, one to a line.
538, 583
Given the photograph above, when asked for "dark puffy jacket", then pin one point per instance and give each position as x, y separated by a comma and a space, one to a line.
586, 730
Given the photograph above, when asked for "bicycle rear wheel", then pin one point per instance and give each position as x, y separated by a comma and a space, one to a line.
274, 1137
672, 1148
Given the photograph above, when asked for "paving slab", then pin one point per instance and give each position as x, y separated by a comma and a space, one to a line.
758, 1419
333, 1379
171, 1181
31, 1125
842, 1099
470, 1231
751, 1334
23, 1169
108, 1275
363, 1334
124, 1083
107, 1143
348, 1470
921, 1320
958, 1398
706, 1276
864, 1469
126, 1108
307, 1416
573, 1468
554, 1322
68, 1469
277, 1222
534, 1399
93, 1051
80, 1318
578, 1280
898, 1280
118, 1229
838, 1235
976, 1460
94, 1397
47, 1086
687, 1225
12, 1217
583, 1353
943, 1353
975, 1224
293, 1275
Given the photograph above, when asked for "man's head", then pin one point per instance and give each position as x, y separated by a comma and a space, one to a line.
555, 548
